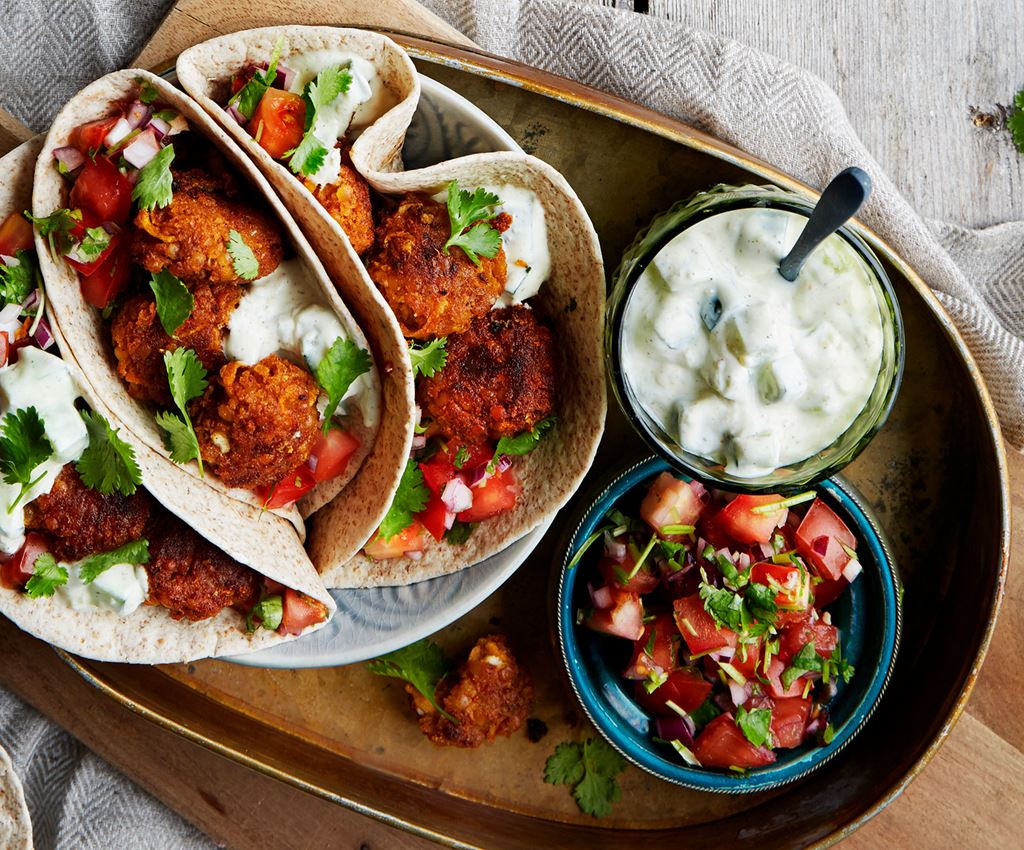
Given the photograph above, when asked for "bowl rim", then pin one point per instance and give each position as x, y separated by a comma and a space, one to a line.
773, 197
759, 779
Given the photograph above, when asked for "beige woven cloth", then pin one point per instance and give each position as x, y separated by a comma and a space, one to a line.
788, 117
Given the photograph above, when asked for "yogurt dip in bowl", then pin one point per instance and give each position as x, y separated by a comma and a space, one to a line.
732, 372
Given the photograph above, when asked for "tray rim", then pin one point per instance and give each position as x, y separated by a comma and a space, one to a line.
564, 90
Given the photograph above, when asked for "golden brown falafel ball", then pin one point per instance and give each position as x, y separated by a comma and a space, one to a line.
140, 341
432, 293
189, 237
499, 379
82, 521
489, 695
347, 201
192, 578
256, 424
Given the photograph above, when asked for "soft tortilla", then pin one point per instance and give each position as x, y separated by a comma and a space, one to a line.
15, 823
573, 300
83, 327
266, 543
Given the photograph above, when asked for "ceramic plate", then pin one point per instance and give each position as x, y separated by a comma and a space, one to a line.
377, 620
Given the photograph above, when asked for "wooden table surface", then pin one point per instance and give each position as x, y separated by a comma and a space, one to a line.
971, 793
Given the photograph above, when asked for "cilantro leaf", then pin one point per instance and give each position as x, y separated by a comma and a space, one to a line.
48, 576
761, 600
147, 91
342, 364
1015, 123
308, 156
249, 96
465, 208
459, 533
17, 281
806, 660
410, 498
108, 462
154, 186
828, 734
93, 244
186, 378
269, 611
705, 713
23, 447
421, 664
756, 725
133, 552
174, 302
54, 228
243, 260
526, 442
592, 768
430, 358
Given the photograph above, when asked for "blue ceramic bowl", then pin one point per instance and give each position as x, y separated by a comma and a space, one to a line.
868, 616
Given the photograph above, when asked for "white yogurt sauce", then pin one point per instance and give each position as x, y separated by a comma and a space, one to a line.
42, 381
527, 257
121, 588
787, 366
365, 101
286, 314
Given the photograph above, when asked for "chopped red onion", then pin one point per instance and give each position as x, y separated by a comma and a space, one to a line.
724, 701
820, 545
601, 597
504, 462
449, 520
673, 729
414, 555
70, 157
43, 335
723, 654
236, 113
159, 126
479, 475
118, 132
9, 321
815, 726
285, 77
28, 305
701, 491
766, 550
831, 689
739, 693
419, 441
8, 260
457, 496
142, 149
138, 115
614, 549
743, 561
852, 570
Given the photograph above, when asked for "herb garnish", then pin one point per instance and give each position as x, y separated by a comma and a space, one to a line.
756, 724
23, 447
308, 156
17, 281
429, 359
525, 442
249, 96
459, 533
186, 378
174, 302
133, 552
465, 208
154, 185
93, 244
410, 498
341, 365
147, 91
54, 228
421, 664
269, 611
591, 768
108, 462
808, 660
243, 260
48, 576
1015, 123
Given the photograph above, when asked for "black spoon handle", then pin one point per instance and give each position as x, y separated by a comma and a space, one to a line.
838, 204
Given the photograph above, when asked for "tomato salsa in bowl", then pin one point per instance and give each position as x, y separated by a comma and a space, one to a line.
727, 643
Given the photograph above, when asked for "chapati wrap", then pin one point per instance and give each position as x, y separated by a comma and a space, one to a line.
15, 823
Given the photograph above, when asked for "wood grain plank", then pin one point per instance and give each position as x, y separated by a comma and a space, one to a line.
12, 132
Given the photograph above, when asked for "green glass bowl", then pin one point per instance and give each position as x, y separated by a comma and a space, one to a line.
824, 463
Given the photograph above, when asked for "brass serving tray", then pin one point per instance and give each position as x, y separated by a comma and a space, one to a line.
935, 476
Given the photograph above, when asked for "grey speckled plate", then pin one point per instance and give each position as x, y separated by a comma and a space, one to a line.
378, 620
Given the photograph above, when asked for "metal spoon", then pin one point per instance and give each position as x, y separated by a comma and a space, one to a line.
839, 203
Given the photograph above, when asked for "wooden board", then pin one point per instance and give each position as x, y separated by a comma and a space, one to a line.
983, 753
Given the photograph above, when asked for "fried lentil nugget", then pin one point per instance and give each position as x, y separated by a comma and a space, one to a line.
189, 237
489, 695
432, 293
192, 578
82, 521
499, 379
347, 201
140, 341
256, 424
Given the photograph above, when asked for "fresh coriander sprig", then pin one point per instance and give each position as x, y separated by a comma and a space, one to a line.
591, 769
154, 185
249, 96
308, 156
108, 463
47, 576
17, 281
23, 447
243, 260
174, 302
473, 208
756, 724
55, 227
421, 664
429, 358
526, 442
186, 378
133, 552
269, 611
341, 365
410, 498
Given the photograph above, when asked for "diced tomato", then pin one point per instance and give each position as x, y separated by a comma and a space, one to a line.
440, 468
722, 744
827, 592
738, 520
789, 720
331, 453
746, 658
655, 651
670, 501
698, 627
300, 612
15, 235
820, 539
278, 122
18, 569
625, 617
110, 277
102, 190
775, 687
406, 541
247, 72
434, 516
289, 489
645, 579
685, 688
793, 585
497, 494
87, 269
795, 636
89, 137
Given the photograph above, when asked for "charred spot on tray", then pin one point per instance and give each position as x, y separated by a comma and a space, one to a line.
536, 729
532, 137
